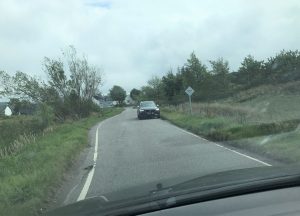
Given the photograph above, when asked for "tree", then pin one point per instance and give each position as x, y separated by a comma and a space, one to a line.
135, 93
85, 79
169, 85
27, 87
219, 82
21, 106
6, 83
220, 68
193, 72
117, 93
155, 84
20, 85
67, 95
75, 92
251, 72
284, 67
153, 90
56, 73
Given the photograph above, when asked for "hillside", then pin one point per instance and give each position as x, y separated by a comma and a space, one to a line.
270, 102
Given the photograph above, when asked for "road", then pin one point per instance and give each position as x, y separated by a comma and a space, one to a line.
133, 152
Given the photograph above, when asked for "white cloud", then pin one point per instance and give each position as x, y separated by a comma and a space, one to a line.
132, 40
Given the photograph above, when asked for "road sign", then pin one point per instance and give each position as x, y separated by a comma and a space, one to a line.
189, 91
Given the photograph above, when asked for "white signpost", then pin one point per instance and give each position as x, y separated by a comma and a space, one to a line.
189, 91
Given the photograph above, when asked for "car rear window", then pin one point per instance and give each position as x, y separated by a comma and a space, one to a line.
147, 104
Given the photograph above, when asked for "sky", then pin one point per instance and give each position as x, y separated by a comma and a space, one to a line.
134, 40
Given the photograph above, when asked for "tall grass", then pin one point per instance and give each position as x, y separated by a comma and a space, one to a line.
238, 114
16, 128
220, 128
17, 145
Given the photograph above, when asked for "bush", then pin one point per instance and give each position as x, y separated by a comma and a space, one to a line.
45, 115
12, 129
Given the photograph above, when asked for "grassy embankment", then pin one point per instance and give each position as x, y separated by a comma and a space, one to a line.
34, 166
264, 120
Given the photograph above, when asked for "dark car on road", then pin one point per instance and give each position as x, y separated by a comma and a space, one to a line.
148, 109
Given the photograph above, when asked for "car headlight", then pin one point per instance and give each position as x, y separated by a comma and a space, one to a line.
157, 109
141, 110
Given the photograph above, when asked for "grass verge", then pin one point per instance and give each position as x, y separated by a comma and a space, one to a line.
28, 178
266, 139
283, 147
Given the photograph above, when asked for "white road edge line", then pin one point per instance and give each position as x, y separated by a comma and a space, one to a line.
88, 181
90, 176
247, 156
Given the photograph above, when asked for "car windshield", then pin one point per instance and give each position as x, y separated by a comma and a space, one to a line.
121, 99
147, 104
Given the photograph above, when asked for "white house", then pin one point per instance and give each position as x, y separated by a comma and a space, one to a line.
7, 111
95, 101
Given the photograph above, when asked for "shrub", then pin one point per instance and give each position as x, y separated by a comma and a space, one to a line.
14, 128
45, 115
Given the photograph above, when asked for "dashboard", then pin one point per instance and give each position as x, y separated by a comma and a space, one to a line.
274, 202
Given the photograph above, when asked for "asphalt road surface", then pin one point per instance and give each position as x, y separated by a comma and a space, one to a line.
133, 152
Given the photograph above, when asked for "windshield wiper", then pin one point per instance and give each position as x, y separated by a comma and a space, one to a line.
160, 190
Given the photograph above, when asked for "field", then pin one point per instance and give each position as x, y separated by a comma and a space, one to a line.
28, 176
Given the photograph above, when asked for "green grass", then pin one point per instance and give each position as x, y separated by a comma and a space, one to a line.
15, 126
205, 126
283, 145
28, 178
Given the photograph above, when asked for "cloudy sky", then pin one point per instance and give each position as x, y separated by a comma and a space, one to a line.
132, 40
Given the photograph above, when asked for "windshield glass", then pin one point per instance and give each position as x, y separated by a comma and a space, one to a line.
221, 80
